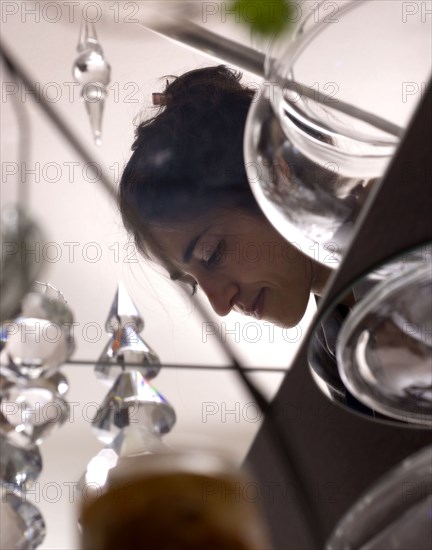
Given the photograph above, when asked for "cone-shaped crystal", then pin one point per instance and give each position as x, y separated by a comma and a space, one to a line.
92, 71
132, 401
19, 467
131, 441
123, 312
40, 340
131, 349
29, 411
21, 523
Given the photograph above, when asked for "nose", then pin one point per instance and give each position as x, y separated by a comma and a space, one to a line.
221, 294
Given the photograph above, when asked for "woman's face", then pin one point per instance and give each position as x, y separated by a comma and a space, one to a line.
240, 262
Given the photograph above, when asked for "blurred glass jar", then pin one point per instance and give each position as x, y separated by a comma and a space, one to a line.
338, 95
183, 500
394, 514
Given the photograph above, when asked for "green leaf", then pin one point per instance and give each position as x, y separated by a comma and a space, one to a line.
266, 17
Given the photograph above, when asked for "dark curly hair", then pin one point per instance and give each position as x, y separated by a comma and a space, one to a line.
188, 159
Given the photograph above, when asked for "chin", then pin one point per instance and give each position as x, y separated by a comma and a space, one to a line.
282, 320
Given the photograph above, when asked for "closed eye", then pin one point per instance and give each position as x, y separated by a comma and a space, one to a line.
216, 256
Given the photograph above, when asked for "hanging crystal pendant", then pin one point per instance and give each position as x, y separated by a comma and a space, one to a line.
131, 441
40, 340
22, 525
132, 401
29, 411
19, 467
126, 346
123, 312
60, 382
92, 71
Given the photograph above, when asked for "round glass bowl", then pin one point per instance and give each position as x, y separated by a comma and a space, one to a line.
395, 514
322, 131
384, 350
371, 350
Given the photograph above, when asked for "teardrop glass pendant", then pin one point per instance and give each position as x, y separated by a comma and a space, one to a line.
92, 71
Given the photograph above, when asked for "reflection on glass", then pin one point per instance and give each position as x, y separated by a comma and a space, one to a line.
384, 350
331, 120
374, 355
395, 514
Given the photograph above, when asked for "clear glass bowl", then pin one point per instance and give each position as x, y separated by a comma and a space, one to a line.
337, 98
394, 514
384, 350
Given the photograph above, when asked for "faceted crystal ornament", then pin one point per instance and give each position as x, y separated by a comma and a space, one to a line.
40, 340
123, 312
22, 525
19, 268
30, 410
92, 71
19, 467
132, 402
126, 346
60, 382
131, 441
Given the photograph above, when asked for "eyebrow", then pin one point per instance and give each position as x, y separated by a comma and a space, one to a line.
191, 246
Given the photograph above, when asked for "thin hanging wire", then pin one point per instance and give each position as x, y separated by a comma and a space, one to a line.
24, 140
